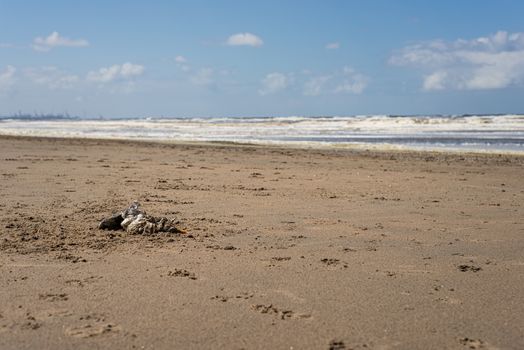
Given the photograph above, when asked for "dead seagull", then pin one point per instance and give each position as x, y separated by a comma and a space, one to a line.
135, 221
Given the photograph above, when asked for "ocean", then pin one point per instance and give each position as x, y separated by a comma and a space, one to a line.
477, 133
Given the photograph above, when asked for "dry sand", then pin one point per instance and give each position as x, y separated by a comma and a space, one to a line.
286, 248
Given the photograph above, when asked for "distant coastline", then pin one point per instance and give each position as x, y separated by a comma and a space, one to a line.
67, 116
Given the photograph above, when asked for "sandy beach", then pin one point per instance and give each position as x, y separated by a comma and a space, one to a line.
284, 248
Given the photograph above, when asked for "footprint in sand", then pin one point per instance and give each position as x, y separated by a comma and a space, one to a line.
53, 297
472, 268
182, 273
31, 322
225, 298
91, 330
54, 313
473, 343
340, 345
337, 345
333, 262
280, 314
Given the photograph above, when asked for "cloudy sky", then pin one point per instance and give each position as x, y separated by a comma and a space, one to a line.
253, 58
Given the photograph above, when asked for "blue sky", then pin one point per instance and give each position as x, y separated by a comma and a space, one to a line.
254, 58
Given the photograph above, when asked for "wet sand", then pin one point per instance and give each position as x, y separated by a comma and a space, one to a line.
285, 248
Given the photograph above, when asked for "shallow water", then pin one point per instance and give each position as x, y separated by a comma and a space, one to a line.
486, 133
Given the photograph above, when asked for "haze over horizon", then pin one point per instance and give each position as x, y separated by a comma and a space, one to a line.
232, 58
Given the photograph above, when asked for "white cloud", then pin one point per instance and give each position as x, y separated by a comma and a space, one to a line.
129, 70
435, 81
7, 78
54, 40
104, 75
491, 62
351, 87
344, 81
116, 72
182, 63
274, 82
244, 39
352, 82
180, 59
333, 46
315, 85
51, 77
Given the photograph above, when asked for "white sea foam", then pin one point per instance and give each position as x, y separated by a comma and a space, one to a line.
494, 133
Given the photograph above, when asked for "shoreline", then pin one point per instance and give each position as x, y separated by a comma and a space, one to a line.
348, 150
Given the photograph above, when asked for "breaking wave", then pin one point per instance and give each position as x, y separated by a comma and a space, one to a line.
490, 133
